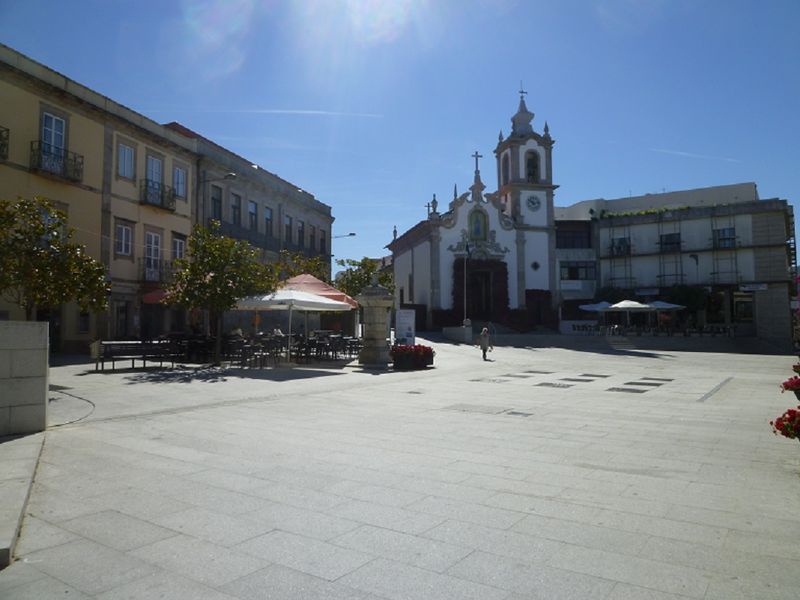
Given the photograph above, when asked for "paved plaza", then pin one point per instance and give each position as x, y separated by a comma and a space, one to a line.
599, 472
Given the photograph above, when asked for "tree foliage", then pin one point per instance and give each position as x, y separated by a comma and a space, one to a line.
40, 265
292, 264
217, 272
357, 275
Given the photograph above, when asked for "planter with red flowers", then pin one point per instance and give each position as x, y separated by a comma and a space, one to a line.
788, 424
406, 357
792, 385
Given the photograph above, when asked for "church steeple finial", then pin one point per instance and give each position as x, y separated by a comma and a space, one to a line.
477, 186
521, 122
455, 191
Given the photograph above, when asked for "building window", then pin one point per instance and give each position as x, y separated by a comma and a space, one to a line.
621, 246
582, 270
725, 238
670, 242
477, 225
155, 169
123, 235
126, 161
54, 143
323, 249
506, 169
301, 233
268, 221
178, 246
236, 209
312, 237
573, 238
179, 182
287, 229
252, 215
152, 256
532, 174
83, 322
216, 202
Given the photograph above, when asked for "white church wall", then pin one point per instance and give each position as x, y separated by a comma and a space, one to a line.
446, 261
422, 274
537, 250
402, 269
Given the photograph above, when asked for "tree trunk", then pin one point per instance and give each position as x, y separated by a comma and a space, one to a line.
216, 317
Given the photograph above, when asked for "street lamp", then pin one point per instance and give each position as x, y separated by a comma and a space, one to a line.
466, 258
230, 176
351, 234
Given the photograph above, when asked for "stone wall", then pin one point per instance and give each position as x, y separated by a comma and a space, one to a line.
24, 363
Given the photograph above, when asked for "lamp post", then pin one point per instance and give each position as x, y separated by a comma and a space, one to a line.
351, 234
230, 176
466, 262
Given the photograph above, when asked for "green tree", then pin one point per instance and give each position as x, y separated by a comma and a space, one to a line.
291, 264
216, 273
357, 275
40, 265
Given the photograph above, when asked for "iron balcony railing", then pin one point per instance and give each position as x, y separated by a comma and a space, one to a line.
155, 270
3, 143
253, 237
47, 158
155, 193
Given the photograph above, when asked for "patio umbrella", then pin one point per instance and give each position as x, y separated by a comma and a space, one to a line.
629, 306
599, 306
661, 305
291, 300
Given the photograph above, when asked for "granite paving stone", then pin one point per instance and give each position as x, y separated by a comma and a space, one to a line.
398, 581
533, 580
277, 582
305, 554
417, 551
107, 568
204, 562
333, 482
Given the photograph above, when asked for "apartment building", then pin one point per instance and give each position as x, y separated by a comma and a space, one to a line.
132, 189
739, 248
256, 205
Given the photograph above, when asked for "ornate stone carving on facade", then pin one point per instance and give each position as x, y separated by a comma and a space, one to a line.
479, 249
448, 219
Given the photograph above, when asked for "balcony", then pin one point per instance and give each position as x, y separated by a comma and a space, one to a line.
253, 237
46, 158
153, 270
3, 143
154, 193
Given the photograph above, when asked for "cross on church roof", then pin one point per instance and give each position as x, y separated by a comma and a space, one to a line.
476, 156
522, 92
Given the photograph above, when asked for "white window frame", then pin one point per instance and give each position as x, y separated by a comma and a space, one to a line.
152, 256
178, 247
179, 177
126, 161
123, 237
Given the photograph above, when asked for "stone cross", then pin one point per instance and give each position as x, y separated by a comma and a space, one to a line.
476, 156
522, 92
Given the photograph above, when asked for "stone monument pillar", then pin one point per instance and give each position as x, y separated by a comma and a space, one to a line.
376, 302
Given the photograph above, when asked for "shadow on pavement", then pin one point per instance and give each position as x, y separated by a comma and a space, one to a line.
208, 374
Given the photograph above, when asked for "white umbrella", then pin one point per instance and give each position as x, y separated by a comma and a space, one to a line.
661, 305
595, 307
629, 305
291, 300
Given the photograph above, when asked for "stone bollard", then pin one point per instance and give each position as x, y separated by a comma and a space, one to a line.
376, 302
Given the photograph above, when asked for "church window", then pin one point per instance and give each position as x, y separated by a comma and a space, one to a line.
506, 169
532, 174
477, 226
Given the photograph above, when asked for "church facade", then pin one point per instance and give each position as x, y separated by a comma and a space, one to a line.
512, 256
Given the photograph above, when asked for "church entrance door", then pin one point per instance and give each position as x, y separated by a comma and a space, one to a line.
479, 299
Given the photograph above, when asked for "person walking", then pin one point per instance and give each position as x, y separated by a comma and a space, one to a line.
484, 343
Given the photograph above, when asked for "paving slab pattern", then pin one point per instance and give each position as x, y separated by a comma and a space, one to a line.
528, 476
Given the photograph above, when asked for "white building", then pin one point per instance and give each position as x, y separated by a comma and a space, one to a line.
529, 262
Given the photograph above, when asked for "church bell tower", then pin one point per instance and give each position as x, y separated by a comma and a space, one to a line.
525, 188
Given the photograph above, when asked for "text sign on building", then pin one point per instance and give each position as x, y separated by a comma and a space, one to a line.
752, 287
404, 327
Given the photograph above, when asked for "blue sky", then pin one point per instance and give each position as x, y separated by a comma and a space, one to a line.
375, 105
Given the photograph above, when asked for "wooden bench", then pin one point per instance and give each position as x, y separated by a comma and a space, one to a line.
155, 352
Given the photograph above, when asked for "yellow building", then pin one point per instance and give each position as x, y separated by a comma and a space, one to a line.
125, 182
